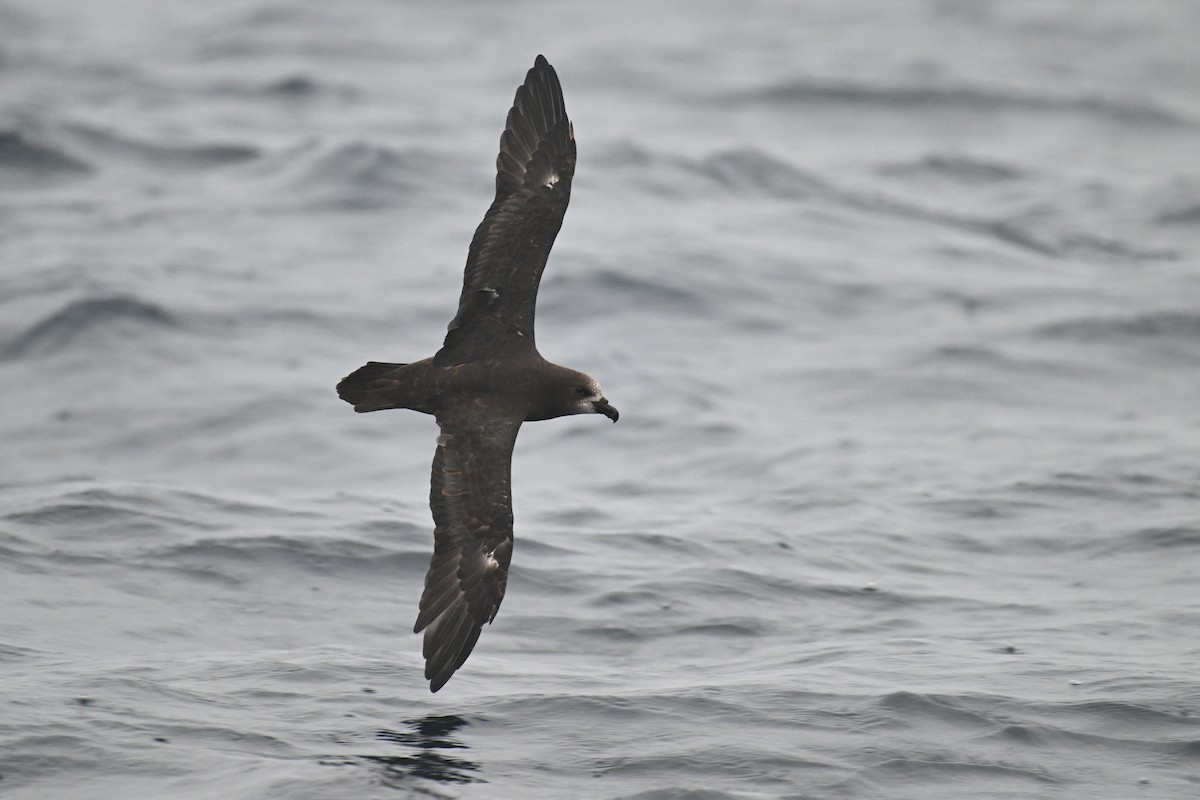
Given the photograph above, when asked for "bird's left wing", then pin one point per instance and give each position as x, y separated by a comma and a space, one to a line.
511, 245
471, 500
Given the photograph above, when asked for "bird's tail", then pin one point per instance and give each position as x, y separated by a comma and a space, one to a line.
374, 386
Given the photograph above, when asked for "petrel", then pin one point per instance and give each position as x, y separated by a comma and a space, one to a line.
488, 378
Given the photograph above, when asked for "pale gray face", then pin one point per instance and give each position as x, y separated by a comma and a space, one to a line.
589, 399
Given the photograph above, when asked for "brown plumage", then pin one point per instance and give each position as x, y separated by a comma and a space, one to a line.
488, 378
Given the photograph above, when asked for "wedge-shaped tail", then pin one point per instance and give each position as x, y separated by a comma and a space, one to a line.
374, 386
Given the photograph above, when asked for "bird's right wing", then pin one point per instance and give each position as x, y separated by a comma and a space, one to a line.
471, 500
511, 245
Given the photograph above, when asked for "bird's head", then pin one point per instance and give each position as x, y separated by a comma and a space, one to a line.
588, 398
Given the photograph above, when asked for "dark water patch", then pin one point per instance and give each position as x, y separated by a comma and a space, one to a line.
753, 171
295, 86
81, 321
654, 545
1177, 203
1157, 539
274, 314
908, 707
1175, 729
962, 169
33, 159
12, 545
730, 583
100, 518
1004, 231
1045, 737
660, 174
764, 764
434, 742
1012, 232
987, 375
611, 633
392, 529
662, 625
90, 519
557, 580
938, 769
747, 171
1023, 736
164, 154
680, 793
1066, 485
1018, 233
644, 292
1181, 326
321, 556
294, 89
536, 545
626, 597
581, 518
37, 754
967, 99
11, 653
723, 629
361, 175
1180, 215
982, 510
982, 356
595, 292
1134, 489
1086, 244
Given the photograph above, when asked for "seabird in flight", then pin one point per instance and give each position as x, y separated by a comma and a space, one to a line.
488, 378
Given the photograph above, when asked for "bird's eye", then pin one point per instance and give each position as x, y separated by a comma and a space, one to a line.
582, 391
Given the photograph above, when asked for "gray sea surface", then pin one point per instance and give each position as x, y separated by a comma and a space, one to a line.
899, 301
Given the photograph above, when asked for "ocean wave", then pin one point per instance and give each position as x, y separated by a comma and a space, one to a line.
1154, 539
973, 99
91, 509
37, 754
12, 653
18, 154
1179, 203
753, 172
594, 288
1178, 326
360, 175
1181, 215
163, 154
1023, 232
82, 320
744, 170
327, 555
296, 87
963, 169
940, 769
202, 538
94, 524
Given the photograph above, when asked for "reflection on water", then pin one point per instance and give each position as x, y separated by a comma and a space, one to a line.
431, 736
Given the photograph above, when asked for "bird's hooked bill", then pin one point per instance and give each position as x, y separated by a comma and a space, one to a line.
602, 407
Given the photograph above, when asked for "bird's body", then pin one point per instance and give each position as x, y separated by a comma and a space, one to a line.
488, 377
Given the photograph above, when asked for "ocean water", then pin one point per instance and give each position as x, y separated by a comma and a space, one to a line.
899, 301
